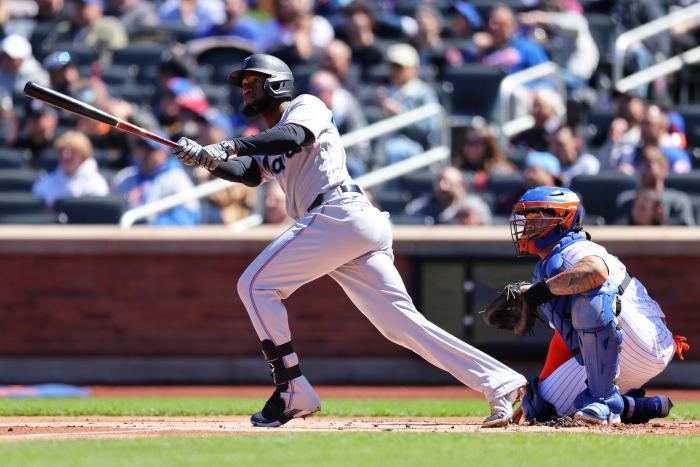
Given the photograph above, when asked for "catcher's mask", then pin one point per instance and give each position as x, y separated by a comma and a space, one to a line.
542, 216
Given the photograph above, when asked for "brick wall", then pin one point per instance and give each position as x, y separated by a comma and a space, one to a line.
111, 295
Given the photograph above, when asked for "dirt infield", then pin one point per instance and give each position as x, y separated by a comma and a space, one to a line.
34, 428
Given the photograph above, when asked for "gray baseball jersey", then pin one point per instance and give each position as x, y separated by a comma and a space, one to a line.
350, 240
305, 172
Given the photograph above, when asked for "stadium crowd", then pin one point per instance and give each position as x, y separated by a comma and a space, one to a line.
634, 157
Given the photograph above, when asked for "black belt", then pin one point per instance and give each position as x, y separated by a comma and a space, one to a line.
344, 188
620, 290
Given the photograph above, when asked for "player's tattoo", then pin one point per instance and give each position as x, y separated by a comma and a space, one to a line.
583, 276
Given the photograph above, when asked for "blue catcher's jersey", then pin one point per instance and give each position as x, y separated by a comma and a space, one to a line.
569, 251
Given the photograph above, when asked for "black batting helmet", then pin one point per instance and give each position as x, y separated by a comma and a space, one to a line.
279, 82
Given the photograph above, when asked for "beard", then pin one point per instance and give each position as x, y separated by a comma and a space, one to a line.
257, 107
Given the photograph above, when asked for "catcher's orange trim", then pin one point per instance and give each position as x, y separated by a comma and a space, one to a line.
558, 353
681, 345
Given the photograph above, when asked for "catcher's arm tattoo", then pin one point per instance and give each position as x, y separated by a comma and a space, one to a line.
583, 276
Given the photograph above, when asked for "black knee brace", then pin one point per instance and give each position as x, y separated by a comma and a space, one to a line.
281, 375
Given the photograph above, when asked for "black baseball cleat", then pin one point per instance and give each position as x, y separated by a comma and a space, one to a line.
276, 411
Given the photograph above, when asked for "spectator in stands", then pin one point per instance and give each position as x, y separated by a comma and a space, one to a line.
348, 113
501, 44
337, 58
274, 211
547, 110
18, 65
405, 92
646, 209
154, 176
624, 132
367, 50
464, 20
38, 134
479, 155
234, 203
76, 174
181, 105
472, 211
237, 24
653, 132
447, 200
91, 28
427, 39
567, 31
566, 146
280, 31
542, 169
301, 51
653, 170
199, 14
134, 14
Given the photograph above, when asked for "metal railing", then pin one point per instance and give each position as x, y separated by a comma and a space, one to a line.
626, 39
664, 68
367, 133
508, 85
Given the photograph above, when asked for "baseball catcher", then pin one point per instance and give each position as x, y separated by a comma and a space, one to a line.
612, 337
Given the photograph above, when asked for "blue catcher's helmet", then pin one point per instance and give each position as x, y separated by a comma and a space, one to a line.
542, 216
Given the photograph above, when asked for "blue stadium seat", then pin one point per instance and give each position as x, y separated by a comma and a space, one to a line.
141, 54
20, 203
474, 88
168, 31
691, 115
392, 201
603, 30
17, 180
418, 183
687, 182
507, 189
119, 74
81, 54
90, 209
37, 218
599, 121
599, 192
14, 158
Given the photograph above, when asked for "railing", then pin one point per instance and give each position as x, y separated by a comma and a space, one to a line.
664, 68
509, 126
626, 39
367, 133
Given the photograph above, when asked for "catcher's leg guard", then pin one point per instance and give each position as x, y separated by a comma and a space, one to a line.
535, 407
600, 340
293, 397
640, 409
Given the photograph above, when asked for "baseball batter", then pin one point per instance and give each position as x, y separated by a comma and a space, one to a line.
614, 330
336, 232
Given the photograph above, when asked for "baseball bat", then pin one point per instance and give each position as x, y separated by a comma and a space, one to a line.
64, 102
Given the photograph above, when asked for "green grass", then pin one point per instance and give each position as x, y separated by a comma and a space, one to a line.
241, 406
360, 449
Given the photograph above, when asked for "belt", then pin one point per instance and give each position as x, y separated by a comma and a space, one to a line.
620, 290
344, 188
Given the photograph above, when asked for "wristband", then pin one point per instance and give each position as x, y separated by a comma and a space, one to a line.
538, 294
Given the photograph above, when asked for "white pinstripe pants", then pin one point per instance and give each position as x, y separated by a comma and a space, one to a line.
647, 347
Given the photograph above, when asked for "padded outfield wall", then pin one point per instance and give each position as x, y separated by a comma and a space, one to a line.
159, 305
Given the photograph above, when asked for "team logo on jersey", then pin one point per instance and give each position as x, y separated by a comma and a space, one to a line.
277, 165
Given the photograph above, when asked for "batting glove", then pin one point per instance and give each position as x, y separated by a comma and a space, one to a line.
210, 156
187, 151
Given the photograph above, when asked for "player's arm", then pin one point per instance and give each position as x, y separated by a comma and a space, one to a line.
276, 140
242, 169
587, 274
272, 142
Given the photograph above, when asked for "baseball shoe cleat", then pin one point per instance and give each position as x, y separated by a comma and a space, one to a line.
640, 409
295, 400
597, 413
502, 409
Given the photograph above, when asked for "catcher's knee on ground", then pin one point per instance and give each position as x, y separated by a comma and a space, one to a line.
535, 407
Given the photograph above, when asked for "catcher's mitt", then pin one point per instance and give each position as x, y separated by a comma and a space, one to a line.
509, 310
